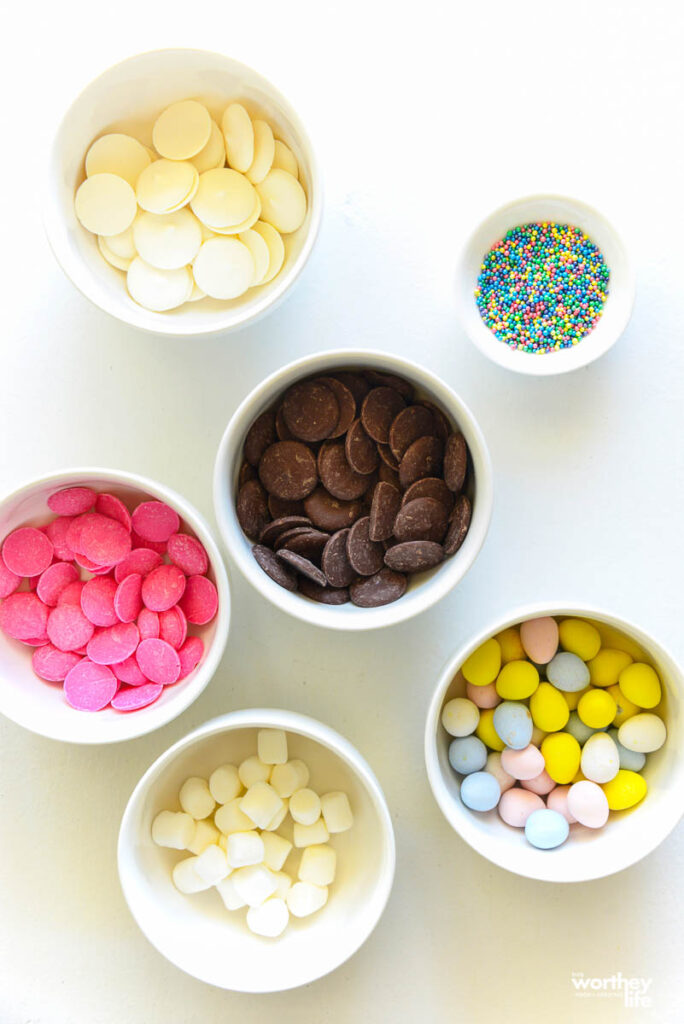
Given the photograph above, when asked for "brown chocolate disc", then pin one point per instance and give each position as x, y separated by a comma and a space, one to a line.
356, 382
388, 476
346, 404
331, 514
274, 568
382, 588
310, 543
459, 525
384, 507
302, 565
365, 555
295, 531
387, 456
422, 458
288, 470
455, 462
246, 473
337, 476
282, 430
430, 487
279, 507
360, 449
260, 436
324, 595
380, 379
273, 530
414, 555
310, 410
252, 508
421, 519
380, 407
335, 561
442, 427
413, 422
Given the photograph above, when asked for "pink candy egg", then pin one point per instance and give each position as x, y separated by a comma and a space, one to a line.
516, 805
557, 800
523, 764
540, 784
539, 638
483, 696
588, 804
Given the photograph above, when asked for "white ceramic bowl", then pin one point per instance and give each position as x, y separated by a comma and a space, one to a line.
129, 97
618, 306
424, 589
588, 853
40, 706
197, 933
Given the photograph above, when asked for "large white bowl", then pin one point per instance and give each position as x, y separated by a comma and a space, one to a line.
424, 589
40, 706
616, 311
197, 933
588, 853
129, 97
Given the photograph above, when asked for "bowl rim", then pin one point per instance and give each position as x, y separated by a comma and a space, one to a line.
136, 726
458, 822
432, 589
571, 359
290, 721
73, 266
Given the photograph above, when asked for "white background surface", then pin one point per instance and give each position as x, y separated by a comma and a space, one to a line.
424, 118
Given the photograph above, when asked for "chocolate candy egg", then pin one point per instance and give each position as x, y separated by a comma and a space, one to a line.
588, 803
539, 637
517, 805
632, 760
600, 759
467, 754
480, 791
513, 724
643, 733
625, 790
567, 672
546, 829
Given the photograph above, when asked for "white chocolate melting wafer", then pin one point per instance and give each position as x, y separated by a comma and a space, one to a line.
238, 135
169, 240
117, 154
284, 158
259, 250
213, 154
264, 151
182, 130
158, 290
283, 201
224, 198
105, 204
276, 249
224, 268
167, 185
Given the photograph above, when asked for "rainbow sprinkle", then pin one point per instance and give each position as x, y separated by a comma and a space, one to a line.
542, 287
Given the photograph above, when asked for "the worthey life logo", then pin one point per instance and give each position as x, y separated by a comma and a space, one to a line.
634, 991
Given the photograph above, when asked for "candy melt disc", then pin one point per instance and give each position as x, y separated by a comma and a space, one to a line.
264, 151
214, 153
137, 697
260, 254
224, 268
182, 130
115, 261
155, 520
246, 224
283, 201
165, 186
238, 135
167, 241
276, 249
89, 687
196, 294
223, 199
284, 159
158, 661
27, 551
122, 245
117, 154
105, 204
156, 289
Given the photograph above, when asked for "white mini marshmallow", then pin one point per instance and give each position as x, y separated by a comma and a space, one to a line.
286, 778
228, 894
307, 835
244, 849
224, 784
253, 770
205, 835
261, 803
229, 818
277, 820
318, 865
284, 884
185, 877
276, 850
270, 919
272, 746
195, 798
336, 812
254, 884
305, 806
173, 829
212, 866
304, 899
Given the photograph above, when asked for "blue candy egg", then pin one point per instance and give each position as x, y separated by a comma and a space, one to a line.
576, 727
513, 724
467, 754
631, 760
480, 791
567, 672
546, 829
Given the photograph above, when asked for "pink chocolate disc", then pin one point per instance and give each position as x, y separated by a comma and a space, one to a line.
23, 616
52, 664
148, 624
72, 501
140, 560
114, 643
57, 531
151, 545
163, 587
9, 581
158, 661
54, 581
155, 521
200, 600
97, 601
72, 593
188, 554
128, 671
27, 551
128, 602
190, 655
103, 540
68, 628
90, 687
173, 627
137, 697
110, 505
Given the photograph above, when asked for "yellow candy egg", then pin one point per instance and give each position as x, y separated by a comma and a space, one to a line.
579, 777
625, 708
605, 668
597, 709
562, 754
537, 736
573, 699
549, 708
640, 684
482, 667
625, 790
517, 680
511, 647
486, 731
580, 638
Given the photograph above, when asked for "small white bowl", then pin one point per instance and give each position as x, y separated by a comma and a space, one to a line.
616, 311
197, 933
588, 853
424, 589
129, 97
40, 706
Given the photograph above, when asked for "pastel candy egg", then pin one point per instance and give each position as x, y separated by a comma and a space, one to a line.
578, 729
600, 759
467, 754
513, 723
643, 733
483, 665
517, 680
549, 708
540, 784
588, 803
567, 672
527, 763
557, 800
537, 736
460, 717
516, 805
561, 756
640, 684
495, 768
597, 709
625, 790
510, 644
540, 638
632, 760
487, 732
483, 696
573, 699
580, 638
625, 708
546, 829
480, 791
605, 668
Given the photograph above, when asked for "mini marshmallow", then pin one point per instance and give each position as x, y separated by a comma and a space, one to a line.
228, 893
186, 879
272, 746
270, 919
173, 829
277, 820
307, 835
276, 850
304, 899
195, 798
205, 835
305, 806
284, 884
253, 770
261, 803
336, 812
286, 778
212, 866
254, 884
244, 849
318, 865
224, 784
229, 818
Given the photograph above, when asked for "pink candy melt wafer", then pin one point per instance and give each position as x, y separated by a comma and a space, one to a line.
71, 501
163, 588
190, 655
128, 602
128, 671
23, 616
151, 545
54, 581
57, 531
188, 554
68, 628
27, 551
90, 687
137, 697
173, 627
52, 664
148, 624
9, 581
158, 661
103, 540
72, 593
114, 643
97, 601
200, 600
155, 521
140, 560
110, 505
